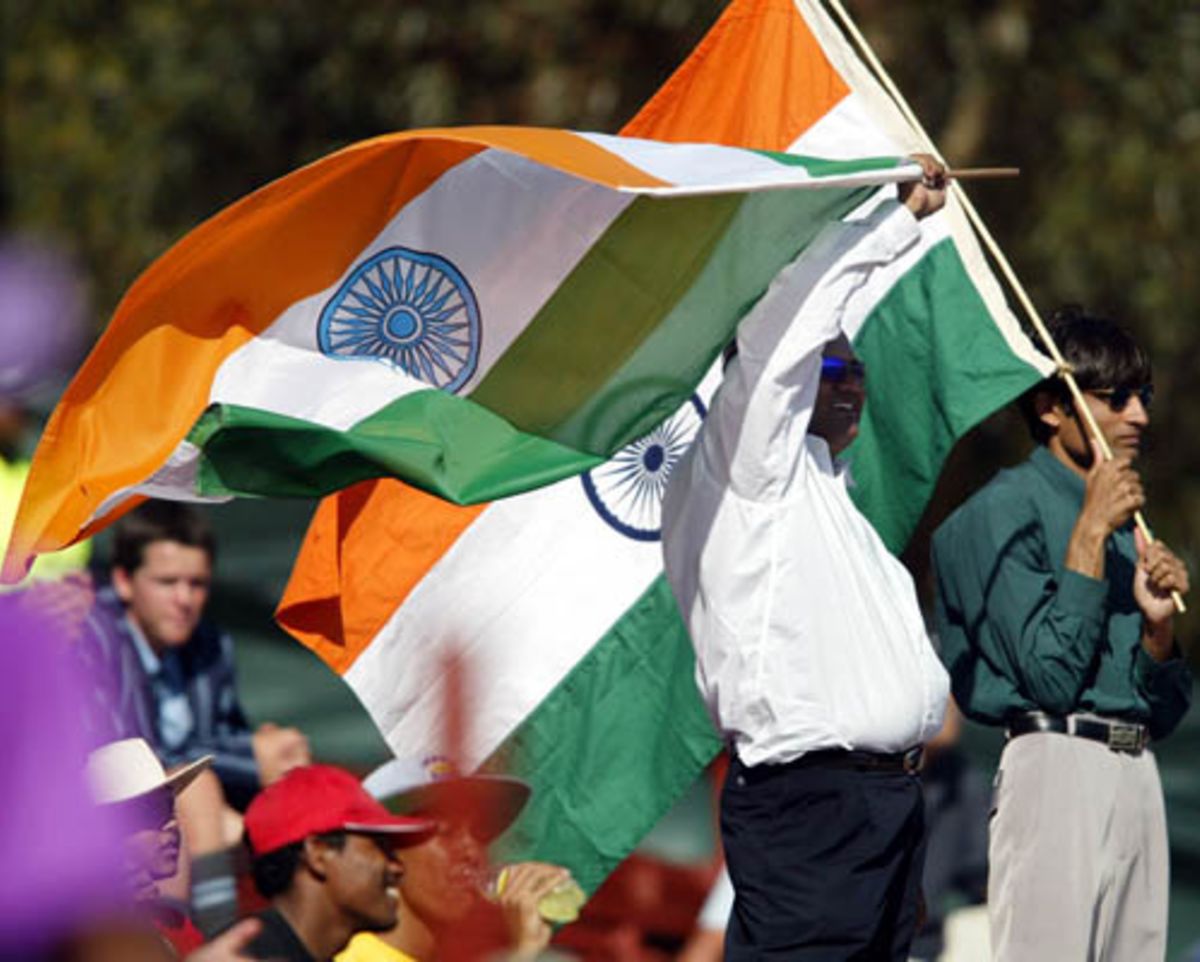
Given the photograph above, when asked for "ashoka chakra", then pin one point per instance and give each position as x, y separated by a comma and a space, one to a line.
411, 309
627, 490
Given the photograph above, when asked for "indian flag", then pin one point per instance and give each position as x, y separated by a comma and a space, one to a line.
583, 670
478, 311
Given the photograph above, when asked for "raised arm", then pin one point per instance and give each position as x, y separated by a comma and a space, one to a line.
759, 419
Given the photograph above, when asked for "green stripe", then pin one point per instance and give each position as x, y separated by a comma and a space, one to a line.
440, 443
820, 167
634, 327
937, 365
612, 747
602, 311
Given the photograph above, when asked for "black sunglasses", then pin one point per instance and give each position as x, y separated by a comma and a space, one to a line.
1118, 398
838, 369
147, 812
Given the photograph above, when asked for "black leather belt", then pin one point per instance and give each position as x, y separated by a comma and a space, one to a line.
1128, 737
908, 761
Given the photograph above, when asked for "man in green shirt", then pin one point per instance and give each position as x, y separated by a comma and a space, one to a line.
1056, 621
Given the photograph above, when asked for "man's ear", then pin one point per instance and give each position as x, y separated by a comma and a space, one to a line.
315, 855
122, 582
1051, 410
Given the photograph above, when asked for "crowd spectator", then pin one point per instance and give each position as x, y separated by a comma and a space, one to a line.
446, 875
127, 778
325, 857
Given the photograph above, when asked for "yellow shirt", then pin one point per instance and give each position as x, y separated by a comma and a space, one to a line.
368, 947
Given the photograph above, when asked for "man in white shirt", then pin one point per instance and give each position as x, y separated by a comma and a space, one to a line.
811, 651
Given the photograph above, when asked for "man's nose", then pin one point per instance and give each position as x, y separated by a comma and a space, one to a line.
187, 594
1135, 412
467, 845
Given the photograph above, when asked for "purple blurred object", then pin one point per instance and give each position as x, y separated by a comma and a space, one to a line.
42, 304
62, 858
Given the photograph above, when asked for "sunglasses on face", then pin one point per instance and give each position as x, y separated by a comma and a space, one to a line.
154, 810
837, 370
1118, 398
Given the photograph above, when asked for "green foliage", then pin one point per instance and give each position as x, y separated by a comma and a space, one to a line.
126, 123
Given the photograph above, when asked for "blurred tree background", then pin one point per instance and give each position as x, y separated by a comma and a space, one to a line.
126, 122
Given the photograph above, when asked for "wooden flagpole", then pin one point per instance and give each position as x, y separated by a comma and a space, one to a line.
1063, 368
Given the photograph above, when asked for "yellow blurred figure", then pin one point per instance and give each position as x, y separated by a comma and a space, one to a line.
48, 567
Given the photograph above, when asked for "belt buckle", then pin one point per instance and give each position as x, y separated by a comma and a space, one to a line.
1124, 737
912, 760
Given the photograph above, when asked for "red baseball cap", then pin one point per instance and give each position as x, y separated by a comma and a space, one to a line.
321, 798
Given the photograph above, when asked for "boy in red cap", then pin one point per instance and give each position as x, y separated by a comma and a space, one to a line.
324, 856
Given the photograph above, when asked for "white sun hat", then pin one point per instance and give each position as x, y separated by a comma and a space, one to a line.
128, 769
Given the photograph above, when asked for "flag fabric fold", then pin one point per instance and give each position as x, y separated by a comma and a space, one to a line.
585, 673
478, 311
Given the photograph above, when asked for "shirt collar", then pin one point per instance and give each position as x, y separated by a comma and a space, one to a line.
1057, 473
151, 663
818, 447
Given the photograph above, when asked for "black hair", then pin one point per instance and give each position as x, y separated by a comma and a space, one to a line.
159, 521
273, 871
1102, 354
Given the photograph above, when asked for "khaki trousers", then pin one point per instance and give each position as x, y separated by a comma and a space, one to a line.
1078, 854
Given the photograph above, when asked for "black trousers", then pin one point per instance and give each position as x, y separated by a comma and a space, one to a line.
825, 862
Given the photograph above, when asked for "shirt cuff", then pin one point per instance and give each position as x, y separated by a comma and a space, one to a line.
1149, 674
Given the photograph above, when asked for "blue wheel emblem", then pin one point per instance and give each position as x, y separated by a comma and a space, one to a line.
410, 309
627, 491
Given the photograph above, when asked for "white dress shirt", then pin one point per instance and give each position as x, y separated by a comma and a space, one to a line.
807, 631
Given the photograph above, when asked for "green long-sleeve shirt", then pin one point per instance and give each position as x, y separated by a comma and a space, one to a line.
1019, 631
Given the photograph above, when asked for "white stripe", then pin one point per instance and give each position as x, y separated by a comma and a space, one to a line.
863, 178
175, 481
846, 131
526, 591
514, 228
213, 892
694, 169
